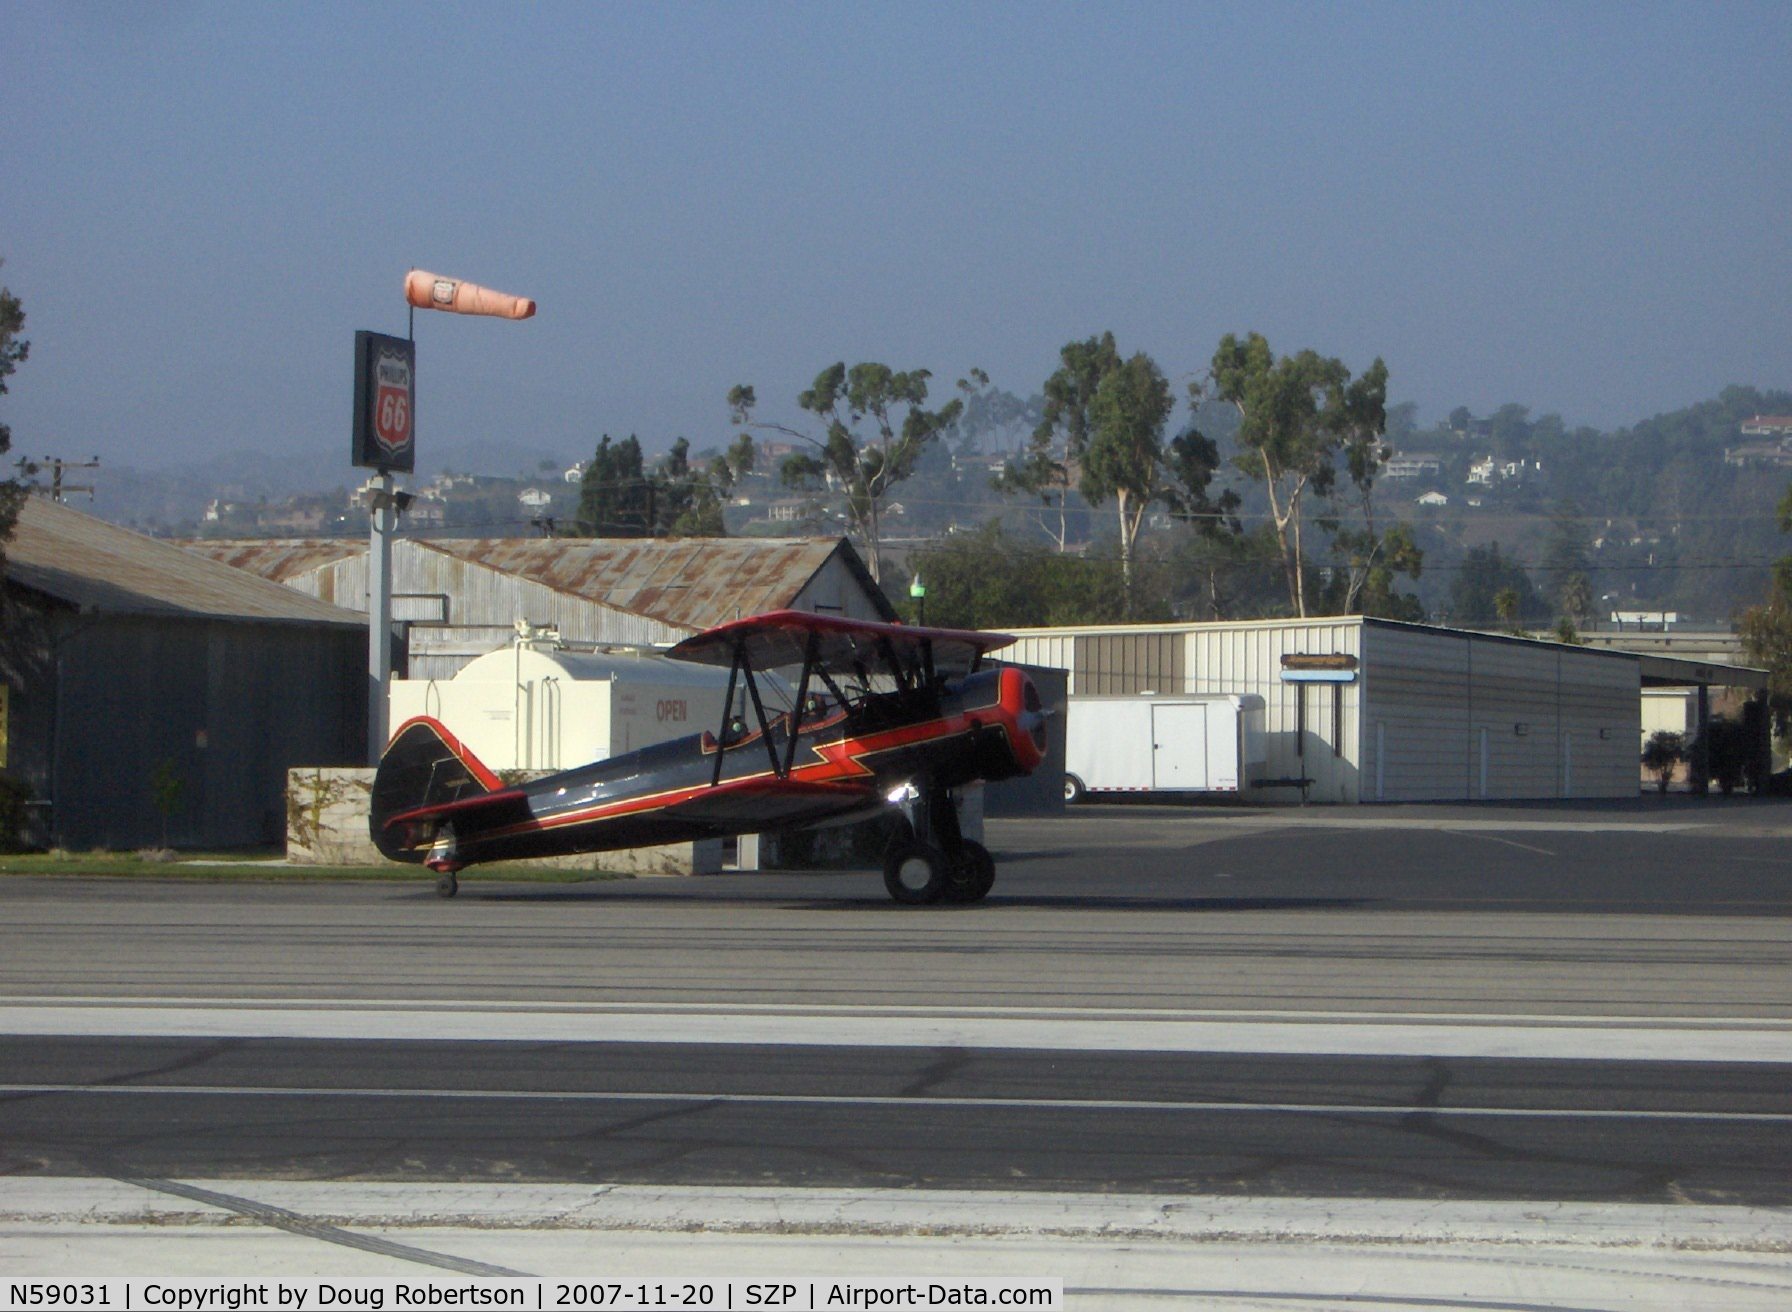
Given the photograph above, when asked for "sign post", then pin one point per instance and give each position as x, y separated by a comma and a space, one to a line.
1303, 668
385, 441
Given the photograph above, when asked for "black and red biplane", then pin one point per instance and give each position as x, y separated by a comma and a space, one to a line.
884, 716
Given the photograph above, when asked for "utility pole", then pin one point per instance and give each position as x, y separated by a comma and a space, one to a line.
58, 488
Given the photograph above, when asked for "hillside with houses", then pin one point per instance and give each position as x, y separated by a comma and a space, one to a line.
1674, 513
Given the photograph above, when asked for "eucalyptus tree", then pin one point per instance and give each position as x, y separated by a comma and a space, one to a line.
1050, 467
1299, 417
1101, 431
1367, 555
874, 426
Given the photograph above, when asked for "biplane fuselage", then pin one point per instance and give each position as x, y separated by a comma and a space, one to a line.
847, 761
884, 715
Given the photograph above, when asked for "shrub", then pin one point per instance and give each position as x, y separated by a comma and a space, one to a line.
1664, 750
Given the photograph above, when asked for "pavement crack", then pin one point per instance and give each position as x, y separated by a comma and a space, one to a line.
185, 1062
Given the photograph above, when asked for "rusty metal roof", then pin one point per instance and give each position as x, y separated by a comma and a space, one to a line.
279, 559
694, 583
100, 567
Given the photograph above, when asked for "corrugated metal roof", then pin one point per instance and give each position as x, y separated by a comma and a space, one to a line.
279, 559
97, 566
692, 583
695, 582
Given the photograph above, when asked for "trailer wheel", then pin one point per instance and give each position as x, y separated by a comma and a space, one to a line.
915, 873
1073, 789
973, 874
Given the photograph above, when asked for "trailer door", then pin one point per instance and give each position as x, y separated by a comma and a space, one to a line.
1179, 746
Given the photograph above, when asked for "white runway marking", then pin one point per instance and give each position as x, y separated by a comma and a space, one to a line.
872, 1100
1495, 838
1079, 1030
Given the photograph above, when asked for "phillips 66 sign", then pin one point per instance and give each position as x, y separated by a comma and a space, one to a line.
385, 402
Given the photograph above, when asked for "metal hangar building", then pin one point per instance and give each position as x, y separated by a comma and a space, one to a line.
151, 696
1370, 710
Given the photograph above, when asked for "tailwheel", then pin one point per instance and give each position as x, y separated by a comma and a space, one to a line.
915, 873
972, 875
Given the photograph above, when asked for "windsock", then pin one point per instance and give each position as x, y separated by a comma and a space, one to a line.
431, 291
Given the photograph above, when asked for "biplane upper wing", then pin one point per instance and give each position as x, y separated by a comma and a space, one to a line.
786, 637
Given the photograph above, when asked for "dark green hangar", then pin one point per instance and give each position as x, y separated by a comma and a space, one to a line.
153, 696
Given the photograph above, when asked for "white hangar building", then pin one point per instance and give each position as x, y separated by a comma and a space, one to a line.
1416, 713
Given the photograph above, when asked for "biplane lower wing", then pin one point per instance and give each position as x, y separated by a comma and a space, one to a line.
773, 803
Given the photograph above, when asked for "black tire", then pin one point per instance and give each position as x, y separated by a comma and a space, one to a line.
915, 873
1073, 790
973, 874
447, 885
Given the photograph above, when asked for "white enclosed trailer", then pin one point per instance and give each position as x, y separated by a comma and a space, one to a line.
1169, 744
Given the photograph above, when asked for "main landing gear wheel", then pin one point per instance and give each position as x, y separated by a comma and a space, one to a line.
915, 873
1073, 789
973, 874
447, 885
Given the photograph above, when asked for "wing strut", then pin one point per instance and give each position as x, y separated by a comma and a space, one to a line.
741, 668
796, 711
898, 670
727, 714
765, 728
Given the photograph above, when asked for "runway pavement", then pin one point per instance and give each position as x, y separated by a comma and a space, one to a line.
1304, 1043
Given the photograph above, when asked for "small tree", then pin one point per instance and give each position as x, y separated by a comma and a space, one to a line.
1662, 753
1766, 630
1505, 605
1726, 752
166, 788
13, 350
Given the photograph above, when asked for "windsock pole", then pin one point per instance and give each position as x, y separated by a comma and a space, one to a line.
384, 515
422, 291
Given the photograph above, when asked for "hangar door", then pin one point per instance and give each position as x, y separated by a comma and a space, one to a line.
1179, 746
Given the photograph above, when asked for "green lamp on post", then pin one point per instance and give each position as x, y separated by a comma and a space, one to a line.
918, 592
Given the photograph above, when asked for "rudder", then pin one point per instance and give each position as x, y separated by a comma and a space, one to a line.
423, 766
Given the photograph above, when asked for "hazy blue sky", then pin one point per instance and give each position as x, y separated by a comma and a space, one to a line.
1583, 208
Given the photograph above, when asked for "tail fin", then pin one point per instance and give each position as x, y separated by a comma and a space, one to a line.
424, 766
